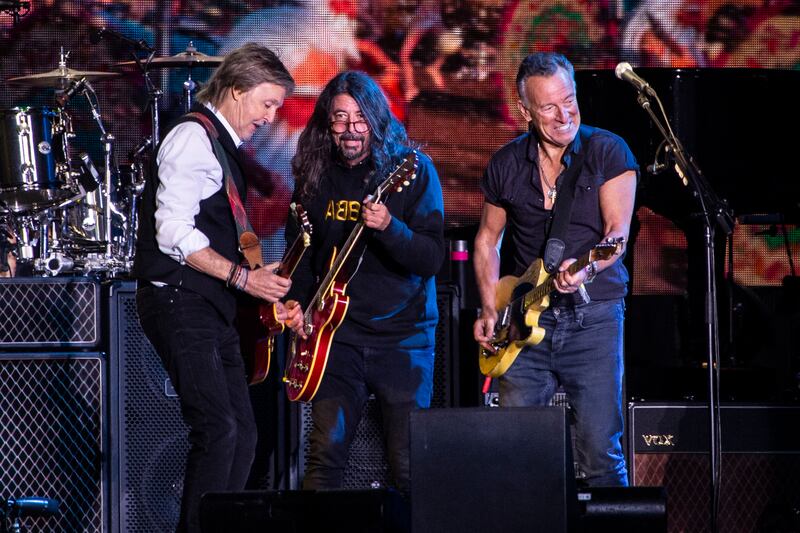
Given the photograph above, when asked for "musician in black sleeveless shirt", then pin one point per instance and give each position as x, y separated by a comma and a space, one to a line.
582, 346
188, 266
385, 345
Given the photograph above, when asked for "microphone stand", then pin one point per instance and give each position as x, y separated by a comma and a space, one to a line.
716, 215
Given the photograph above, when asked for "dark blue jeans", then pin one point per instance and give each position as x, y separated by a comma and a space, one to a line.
582, 351
401, 379
201, 354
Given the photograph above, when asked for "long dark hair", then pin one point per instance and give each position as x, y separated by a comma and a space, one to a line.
388, 140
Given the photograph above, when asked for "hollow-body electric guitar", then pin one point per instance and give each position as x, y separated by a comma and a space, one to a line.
257, 361
519, 303
307, 358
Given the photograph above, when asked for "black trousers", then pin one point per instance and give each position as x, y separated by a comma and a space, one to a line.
202, 357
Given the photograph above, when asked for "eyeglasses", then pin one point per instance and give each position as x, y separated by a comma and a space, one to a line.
341, 126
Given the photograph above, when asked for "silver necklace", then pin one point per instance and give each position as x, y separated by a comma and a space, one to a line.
552, 191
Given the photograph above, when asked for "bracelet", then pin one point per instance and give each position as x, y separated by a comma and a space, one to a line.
591, 270
231, 274
242, 281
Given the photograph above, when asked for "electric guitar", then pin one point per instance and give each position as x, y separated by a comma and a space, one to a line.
519, 303
307, 358
257, 360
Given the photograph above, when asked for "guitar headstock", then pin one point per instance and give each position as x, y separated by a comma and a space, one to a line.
607, 248
402, 176
300, 215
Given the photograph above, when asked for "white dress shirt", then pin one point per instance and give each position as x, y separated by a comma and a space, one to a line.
188, 173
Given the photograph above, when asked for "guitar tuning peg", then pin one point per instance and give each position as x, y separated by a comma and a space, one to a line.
399, 188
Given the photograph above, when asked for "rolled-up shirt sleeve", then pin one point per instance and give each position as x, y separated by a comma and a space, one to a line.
188, 173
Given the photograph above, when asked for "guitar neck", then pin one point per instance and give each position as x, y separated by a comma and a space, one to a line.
379, 196
548, 286
336, 267
292, 257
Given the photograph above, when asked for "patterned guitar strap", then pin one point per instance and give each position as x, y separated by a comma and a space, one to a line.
249, 244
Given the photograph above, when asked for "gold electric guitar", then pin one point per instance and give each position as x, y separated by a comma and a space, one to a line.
519, 303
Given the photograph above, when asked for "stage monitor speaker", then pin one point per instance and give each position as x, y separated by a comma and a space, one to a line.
304, 511
492, 470
52, 437
49, 313
150, 444
367, 466
760, 464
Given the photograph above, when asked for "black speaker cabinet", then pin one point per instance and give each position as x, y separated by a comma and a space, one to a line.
49, 313
367, 466
760, 464
149, 437
52, 442
492, 470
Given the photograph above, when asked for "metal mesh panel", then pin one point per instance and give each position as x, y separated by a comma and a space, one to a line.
153, 436
57, 312
750, 482
51, 437
444, 369
367, 466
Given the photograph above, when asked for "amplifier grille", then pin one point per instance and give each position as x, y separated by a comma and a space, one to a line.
51, 437
48, 313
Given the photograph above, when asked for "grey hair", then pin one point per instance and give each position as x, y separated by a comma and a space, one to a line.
244, 68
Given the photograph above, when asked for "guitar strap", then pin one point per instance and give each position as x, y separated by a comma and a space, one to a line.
249, 244
562, 210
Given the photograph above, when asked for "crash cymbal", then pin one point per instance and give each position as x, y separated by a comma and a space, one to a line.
187, 59
60, 78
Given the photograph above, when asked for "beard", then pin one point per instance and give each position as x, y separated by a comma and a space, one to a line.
349, 154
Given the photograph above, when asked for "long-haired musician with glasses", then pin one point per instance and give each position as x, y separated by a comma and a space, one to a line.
385, 342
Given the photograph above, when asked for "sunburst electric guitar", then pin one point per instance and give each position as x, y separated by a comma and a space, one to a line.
519, 303
257, 361
307, 358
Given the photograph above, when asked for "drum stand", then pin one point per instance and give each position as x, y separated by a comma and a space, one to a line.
107, 139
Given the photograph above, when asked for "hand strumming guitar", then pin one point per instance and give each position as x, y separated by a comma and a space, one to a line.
291, 314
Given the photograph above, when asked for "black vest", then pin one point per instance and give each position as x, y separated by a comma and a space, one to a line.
215, 220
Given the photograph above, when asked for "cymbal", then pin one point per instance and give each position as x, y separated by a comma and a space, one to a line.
187, 59
60, 78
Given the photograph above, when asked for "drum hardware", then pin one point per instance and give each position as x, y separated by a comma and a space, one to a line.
60, 78
189, 59
34, 166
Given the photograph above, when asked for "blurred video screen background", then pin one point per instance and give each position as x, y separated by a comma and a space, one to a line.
447, 67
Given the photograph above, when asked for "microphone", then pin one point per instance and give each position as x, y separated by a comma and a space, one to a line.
656, 168
624, 71
33, 504
140, 44
76, 86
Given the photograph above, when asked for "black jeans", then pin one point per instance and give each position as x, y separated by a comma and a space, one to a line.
400, 378
201, 354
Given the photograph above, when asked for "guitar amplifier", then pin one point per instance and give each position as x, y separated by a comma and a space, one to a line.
49, 313
760, 463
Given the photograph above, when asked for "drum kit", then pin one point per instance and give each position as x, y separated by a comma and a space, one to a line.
59, 213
